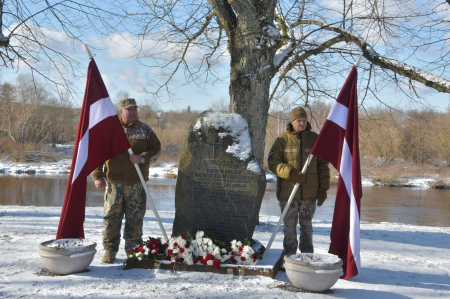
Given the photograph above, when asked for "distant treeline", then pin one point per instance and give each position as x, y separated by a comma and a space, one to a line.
386, 134
33, 119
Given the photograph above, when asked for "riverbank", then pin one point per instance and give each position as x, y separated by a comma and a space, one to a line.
397, 173
398, 261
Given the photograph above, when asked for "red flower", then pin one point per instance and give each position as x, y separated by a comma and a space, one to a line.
132, 250
175, 244
232, 253
240, 249
243, 258
254, 260
169, 252
187, 245
157, 241
195, 261
141, 249
182, 250
183, 237
230, 249
255, 256
209, 257
204, 262
216, 263
181, 259
157, 248
233, 260
155, 253
173, 236
166, 245
151, 245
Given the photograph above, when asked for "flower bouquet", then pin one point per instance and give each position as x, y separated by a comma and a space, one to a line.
204, 250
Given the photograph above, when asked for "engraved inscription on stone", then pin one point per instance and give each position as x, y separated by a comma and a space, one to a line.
215, 192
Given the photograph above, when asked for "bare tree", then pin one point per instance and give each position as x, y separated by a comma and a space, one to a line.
44, 36
7, 95
221, 104
301, 49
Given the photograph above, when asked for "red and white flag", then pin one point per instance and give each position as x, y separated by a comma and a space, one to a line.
338, 143
100, 137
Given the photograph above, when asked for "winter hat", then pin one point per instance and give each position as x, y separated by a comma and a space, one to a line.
297, 113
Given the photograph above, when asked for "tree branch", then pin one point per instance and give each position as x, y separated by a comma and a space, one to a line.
438, 83
303, 57
225, 14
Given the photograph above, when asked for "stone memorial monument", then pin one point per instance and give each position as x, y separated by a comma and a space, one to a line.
220, 184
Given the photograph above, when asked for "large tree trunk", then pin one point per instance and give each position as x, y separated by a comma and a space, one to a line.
249, 92
251, 70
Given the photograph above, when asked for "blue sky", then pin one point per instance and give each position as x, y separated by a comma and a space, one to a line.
123, 74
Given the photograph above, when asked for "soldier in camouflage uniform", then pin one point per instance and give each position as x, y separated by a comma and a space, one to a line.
124, 193
286, 159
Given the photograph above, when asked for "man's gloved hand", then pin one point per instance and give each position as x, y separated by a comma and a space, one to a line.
298, 176
321, 196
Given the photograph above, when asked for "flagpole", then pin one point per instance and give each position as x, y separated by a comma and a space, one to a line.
291, 197
149, 198
358, 60
88, 52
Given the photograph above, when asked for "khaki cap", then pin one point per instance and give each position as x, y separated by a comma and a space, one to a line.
127, 103
297, 113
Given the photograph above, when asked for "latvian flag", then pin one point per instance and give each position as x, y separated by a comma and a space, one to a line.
100, 137
338, 144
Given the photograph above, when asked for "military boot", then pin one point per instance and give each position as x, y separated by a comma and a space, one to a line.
109, 257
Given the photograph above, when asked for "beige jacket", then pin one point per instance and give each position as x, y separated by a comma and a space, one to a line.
290, 151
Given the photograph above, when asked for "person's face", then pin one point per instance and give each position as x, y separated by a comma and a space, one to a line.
299, 124
129, 115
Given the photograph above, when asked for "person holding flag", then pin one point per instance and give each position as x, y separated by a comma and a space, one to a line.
286, 158
125, 194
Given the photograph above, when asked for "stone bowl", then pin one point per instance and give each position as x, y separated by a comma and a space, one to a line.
67, 256
312, 271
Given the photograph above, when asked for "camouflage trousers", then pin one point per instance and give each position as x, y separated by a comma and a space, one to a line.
120, 200
302, 212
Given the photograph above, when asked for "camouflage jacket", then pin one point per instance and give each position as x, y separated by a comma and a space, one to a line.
291, 150
143, 142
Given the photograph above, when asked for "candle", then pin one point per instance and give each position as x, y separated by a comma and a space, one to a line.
230, 273
157, 267
241, 273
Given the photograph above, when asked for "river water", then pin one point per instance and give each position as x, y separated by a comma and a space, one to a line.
379, 204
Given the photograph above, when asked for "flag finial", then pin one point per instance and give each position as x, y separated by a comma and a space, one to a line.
88, 52
358, 60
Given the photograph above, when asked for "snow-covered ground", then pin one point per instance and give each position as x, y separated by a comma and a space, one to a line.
162, 170
63, 167
398, 261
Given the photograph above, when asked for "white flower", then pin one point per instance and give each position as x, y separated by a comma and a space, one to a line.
145, 247
205, 241
210, 263
224, 250
199, 234
210, 242
189, 261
